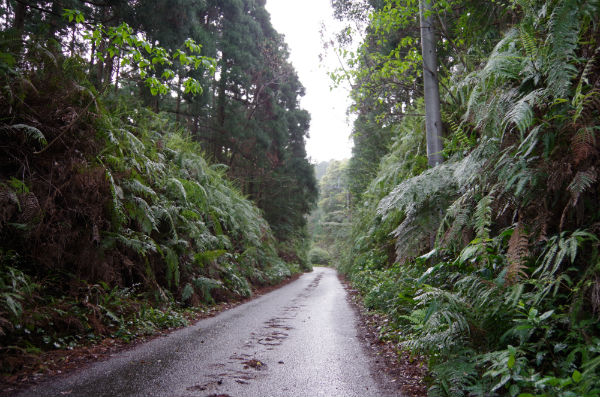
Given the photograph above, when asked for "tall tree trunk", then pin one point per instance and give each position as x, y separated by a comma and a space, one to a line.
19, 22
433, 118
18, 27
54, 19
178, 103
100, 66
72, 43
118, 73
92, 55
221, 103
195, 125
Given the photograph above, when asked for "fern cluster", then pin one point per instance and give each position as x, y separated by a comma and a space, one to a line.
178, 214
506, 300
116, 209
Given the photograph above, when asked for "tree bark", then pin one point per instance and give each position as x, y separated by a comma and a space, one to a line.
54, 19
118, 73
19, 22
178, 103
433, 118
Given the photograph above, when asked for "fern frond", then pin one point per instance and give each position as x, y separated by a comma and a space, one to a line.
134, 145
164, 221
172, 268
206, 285
457, 130
486, 297
176, 190
564, 27
560, 247
416, 192
521, 114
206, 257
539, 226
581, 182
9, 204
444, 324
136, 187
528, 43
504, 63
457, 217
483, 217
558, 174
187, 292
28, 132
118, 214
139, 243
592, 64
30, 207
518, 251
454, 377
586, 105
583, 143
412, 235
139, 210
196, 194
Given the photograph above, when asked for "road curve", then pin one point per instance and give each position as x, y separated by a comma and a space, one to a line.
299, 340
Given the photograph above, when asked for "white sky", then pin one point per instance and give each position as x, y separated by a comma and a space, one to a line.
300, 22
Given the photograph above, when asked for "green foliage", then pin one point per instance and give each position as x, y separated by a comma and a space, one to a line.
26, 132
112, 221
172, 202
247, 116
15, 288
132, 50
318, 256
330, 220
506, 300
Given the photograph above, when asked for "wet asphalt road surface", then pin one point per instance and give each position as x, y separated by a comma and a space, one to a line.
299, 340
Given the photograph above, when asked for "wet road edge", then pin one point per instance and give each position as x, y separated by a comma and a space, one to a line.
396, 372
64, 363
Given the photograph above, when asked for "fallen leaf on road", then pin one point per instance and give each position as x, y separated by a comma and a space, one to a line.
254, 364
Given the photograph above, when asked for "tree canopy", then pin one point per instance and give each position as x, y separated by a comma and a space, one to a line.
152, 162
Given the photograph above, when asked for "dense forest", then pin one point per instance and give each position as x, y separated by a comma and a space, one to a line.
329, 224
152, 162
487, 264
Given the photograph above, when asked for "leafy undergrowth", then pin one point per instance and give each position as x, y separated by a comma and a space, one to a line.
489, 264
407, 371
112, 224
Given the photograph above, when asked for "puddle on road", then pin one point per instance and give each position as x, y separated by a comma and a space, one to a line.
274, 339
206, 386
246, 366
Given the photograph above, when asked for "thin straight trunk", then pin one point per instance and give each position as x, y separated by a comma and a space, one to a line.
118, 73
178, 104
108, 70
195, 125
18, 28
92, 55
218, 132
54, 19
19, 22
100, 66
72, 44
433, 118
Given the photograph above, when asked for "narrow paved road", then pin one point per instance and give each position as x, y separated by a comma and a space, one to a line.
299, 340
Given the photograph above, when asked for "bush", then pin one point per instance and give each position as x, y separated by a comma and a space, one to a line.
319, 256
